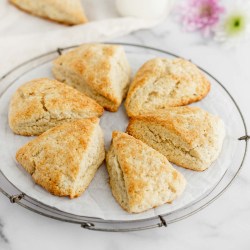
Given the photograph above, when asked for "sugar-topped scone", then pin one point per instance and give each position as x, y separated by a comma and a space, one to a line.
140, 177
63, 11
188, 136
101, 71
43, 103
64, 159
162, 83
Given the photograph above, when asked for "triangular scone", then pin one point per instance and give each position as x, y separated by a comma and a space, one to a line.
64, 159
63, 11
101, 71
188, 136
162, 83
140, 177
43, 103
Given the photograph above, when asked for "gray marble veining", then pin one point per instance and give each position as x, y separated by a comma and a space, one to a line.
3, 239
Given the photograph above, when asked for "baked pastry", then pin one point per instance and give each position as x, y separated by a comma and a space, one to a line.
43, 103
188, 136
64, 159
140, 177
63, 11
162, 83
101, 71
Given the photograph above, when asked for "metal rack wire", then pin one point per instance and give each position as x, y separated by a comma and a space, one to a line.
16, 196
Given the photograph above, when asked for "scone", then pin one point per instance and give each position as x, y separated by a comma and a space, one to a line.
64, 159
188, 136
101, 71
63, 11
162, 83
42, 104
140, 177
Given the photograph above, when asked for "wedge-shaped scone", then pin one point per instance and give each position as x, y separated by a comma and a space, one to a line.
188, 136
43, 103
101, 71
140, 177
64, 159
162, 83
63, 11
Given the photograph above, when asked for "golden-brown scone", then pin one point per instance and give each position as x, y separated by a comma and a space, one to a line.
101, 71
188, 136
64, 159
162, 83
43, 103
140, 177
63, 11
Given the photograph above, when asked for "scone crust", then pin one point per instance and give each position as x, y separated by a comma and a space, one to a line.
54, 158
103, 68
43, 103
171, 118
74, 14
198, 130
175, 71
144, 186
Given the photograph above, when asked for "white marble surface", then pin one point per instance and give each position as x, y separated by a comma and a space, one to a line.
225, 224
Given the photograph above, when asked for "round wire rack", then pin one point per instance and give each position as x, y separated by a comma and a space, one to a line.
18, 197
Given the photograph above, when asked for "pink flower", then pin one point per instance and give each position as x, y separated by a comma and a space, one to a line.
200, 15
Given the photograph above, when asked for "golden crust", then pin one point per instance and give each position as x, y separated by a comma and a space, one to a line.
148, 177
69, 12
162, 83
43, 103
54, 159
194, 135
187, 122
99, 70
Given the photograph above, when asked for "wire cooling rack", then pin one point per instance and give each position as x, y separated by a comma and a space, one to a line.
16, 196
